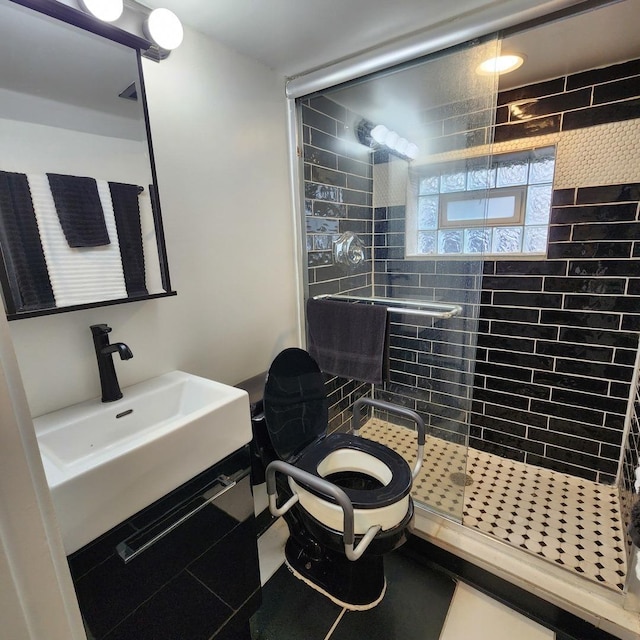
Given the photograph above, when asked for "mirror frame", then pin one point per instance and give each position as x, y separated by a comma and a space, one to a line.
81, 20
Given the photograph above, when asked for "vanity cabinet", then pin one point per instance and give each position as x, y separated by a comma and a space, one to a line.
186, 567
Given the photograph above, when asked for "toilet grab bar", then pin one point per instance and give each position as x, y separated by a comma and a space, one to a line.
328, 490
398, 410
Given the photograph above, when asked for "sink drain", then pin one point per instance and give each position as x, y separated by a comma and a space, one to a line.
461, 479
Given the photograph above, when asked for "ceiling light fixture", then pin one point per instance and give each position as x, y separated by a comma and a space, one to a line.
161, 27
105, 10
164, 28
500, 64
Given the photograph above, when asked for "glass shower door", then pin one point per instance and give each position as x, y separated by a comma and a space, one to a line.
383, 159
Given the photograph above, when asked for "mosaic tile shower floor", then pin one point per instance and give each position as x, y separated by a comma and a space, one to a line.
572, 522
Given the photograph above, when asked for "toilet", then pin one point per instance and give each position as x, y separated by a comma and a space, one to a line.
345, 499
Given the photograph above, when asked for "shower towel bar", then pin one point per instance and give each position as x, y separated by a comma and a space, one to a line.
439, 310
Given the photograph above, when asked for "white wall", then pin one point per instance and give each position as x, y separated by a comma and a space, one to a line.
219, 132
37, 599
38, 148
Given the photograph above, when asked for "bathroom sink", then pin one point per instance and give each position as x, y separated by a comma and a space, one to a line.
106, 461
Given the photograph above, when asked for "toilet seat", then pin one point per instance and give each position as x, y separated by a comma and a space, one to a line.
345, 452
386, 506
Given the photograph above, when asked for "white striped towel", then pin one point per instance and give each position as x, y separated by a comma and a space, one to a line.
78, 275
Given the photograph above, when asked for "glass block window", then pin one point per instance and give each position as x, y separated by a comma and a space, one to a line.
498, 206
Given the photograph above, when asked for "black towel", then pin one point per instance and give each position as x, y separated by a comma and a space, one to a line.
126, 209
79, 210
348, 339
21, 246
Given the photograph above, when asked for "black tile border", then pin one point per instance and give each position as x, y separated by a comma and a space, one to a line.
609, 194
569, 626
603, 114
605, 74
538, 90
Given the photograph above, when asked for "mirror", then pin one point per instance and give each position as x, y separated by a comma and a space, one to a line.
79, 217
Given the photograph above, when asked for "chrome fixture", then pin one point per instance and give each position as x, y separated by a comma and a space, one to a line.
104, 354
348, 249
439, 310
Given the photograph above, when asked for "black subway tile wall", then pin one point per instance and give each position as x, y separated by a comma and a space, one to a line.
588, 301
338, 197
556, 338
430, 361
567, 351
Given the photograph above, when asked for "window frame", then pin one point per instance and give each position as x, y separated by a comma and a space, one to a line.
518, 192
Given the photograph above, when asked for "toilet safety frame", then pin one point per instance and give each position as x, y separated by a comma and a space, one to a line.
330, 490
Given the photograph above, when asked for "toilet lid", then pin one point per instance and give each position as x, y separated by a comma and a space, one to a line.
295, 403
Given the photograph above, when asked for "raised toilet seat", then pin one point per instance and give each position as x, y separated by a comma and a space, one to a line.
346, 500
349, 461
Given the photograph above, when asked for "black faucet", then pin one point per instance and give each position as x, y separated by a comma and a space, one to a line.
104, 354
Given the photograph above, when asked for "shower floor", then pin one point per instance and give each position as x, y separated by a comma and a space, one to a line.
572, 522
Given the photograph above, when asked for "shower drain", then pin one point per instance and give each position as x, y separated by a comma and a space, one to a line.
461, 479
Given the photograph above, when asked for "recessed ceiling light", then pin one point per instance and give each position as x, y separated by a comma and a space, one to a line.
105, 10
500, 64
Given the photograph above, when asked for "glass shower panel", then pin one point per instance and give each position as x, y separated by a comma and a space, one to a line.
378, 154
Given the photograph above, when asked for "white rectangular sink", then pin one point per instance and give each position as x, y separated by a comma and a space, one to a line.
106, 461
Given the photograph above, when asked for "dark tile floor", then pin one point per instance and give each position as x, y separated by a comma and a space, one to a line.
421, 581
414, 608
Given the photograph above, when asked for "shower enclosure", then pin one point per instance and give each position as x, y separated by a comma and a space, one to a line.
510, 209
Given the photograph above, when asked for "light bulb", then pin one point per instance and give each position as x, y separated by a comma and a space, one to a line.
401, 146
391, 139
165, 29
105, 10
412, 151
379, 133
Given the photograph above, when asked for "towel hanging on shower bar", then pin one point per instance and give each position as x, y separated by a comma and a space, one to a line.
348, 340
